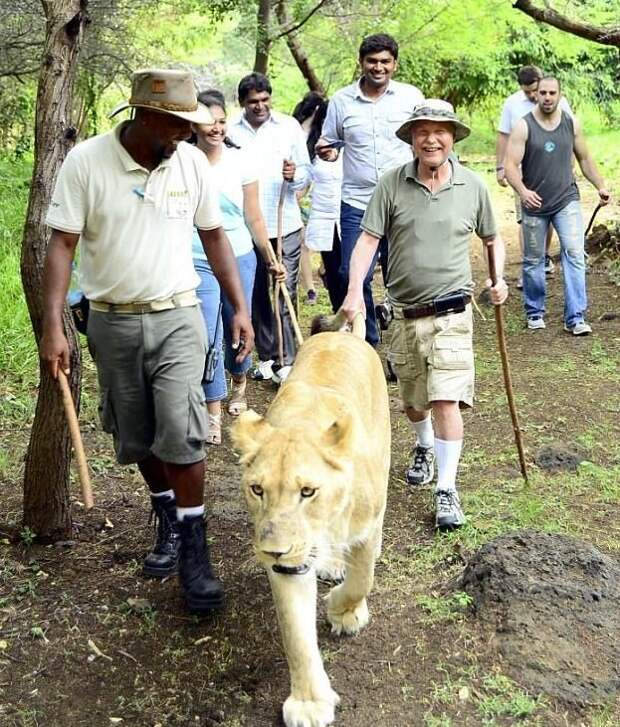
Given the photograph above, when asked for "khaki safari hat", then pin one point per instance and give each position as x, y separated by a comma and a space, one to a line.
168, 91
434, 109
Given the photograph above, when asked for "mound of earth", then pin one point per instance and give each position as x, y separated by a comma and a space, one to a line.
559, 456
553, 605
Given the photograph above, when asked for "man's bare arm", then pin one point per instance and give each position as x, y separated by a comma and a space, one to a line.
54, 347
514, 156
587, 164
362, 256
500, 156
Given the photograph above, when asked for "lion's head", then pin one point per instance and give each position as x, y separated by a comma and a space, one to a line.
297, 482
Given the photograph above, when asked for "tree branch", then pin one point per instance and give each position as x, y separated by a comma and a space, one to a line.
303, 21
596, 33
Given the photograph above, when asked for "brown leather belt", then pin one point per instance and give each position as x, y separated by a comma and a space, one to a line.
422, 310
178, 300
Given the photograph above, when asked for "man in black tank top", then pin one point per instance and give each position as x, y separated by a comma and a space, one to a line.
539, 168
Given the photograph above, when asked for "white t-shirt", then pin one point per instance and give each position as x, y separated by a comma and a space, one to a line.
324, 204
517, 106
135, 226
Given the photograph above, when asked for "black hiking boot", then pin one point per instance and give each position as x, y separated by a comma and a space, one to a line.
163, 560
202, 590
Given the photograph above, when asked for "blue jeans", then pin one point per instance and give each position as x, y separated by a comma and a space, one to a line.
350, 219
210, 294
568, 223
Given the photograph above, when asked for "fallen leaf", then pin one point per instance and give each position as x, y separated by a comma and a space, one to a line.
464, 694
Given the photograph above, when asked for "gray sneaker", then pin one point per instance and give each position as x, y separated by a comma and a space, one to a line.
579, 329
535, 323
549, 266
448, 510
422, 468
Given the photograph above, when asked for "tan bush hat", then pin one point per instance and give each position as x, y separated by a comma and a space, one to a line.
434, 109
168, 91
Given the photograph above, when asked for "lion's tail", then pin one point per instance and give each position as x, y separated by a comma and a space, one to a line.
338, 322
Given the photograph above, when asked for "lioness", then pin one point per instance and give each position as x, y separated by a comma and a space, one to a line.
315, 478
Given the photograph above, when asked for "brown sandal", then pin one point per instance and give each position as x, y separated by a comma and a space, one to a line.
215, 429
237, 402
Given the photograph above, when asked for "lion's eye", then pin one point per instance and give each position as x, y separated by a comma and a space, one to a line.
307, 491
257, 490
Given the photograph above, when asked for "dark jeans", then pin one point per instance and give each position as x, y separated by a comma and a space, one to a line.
263, 318
350, 219
331, 277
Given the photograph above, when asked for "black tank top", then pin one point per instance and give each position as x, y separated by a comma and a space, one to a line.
547, 165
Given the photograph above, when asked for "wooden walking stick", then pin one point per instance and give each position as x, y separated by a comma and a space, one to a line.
501, 339
76, 439
278, 285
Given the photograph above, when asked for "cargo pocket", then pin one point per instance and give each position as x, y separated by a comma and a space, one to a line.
197, 420
397, 353
452, 353
107, 415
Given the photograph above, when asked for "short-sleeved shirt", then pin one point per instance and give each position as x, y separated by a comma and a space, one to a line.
429, 233
280, 137
135, 225
517, 106
368, 128
234, 170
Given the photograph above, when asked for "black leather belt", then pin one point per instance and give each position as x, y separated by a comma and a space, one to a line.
451, 303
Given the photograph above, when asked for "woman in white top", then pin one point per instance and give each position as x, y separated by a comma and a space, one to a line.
242, 220
322, 232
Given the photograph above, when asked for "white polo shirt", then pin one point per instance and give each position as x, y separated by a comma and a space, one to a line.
135, 225
517, 106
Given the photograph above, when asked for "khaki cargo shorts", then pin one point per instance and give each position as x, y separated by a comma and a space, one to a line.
433, 358
150, 369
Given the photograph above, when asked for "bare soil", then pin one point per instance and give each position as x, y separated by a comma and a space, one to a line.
85, 640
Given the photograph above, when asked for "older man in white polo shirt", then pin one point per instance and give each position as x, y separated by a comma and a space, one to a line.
365, 116
131, 197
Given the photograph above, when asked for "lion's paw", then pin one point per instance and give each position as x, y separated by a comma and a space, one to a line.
333, 572
348, 621
307, 713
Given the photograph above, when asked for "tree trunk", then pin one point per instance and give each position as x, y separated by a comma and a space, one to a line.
298, 53
263, 36
46, 478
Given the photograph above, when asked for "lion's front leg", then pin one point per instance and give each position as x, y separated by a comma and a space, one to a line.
312, 701
347, 611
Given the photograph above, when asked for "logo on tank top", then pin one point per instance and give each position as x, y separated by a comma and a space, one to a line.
549, 146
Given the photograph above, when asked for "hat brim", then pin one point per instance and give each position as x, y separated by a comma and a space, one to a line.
461, 131
202, 115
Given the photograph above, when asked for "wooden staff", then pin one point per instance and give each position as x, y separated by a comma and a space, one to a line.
278, 285
76, 438
501, 339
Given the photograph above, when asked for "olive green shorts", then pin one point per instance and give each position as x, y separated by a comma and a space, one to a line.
150, 369
433, 358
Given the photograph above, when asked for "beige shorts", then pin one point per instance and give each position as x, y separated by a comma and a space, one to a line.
518, 210
433, 358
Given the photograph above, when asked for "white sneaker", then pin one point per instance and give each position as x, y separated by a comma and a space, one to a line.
262, 372
536, 323
280, 375
520, 284
579, 329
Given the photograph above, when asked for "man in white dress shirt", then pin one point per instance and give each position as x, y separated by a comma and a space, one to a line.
279, 147
365, 116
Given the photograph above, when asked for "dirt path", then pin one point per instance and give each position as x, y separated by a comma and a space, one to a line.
84, 640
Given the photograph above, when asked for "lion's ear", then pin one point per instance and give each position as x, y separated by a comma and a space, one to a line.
337, 441
248, 433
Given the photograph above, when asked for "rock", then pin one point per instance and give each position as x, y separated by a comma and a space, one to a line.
552, 605
560, 457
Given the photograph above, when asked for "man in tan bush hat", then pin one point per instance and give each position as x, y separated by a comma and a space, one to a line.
428, 210
132, 197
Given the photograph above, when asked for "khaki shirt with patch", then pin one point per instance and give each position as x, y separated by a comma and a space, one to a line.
429, 234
